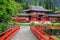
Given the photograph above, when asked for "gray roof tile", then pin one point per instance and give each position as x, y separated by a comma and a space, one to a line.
37, 8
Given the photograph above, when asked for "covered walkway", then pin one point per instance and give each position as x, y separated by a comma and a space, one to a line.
24, 34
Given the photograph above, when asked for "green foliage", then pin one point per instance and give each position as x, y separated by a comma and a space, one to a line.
53, 21
15, 23
57, 9
8, 8
23, 21
3, 26
48, 4
32, 23
24, 5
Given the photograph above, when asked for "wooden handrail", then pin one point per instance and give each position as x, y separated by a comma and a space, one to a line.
3, 32
48, 35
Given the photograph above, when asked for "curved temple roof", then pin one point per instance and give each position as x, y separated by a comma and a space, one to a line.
57, 12
38, 8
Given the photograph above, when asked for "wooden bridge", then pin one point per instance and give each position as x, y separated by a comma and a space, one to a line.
24, 34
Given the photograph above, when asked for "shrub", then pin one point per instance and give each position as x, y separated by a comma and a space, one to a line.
32, 23
53, 21
24, 21
15, 23
3, 26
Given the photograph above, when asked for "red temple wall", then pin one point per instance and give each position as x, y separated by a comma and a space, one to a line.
33, 18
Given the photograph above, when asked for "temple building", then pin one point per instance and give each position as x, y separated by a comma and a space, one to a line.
37, 13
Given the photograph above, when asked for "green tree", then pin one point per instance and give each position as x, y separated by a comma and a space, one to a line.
49, 4
57, 9
8, 8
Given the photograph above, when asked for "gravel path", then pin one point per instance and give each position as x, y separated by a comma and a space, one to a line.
24, 34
